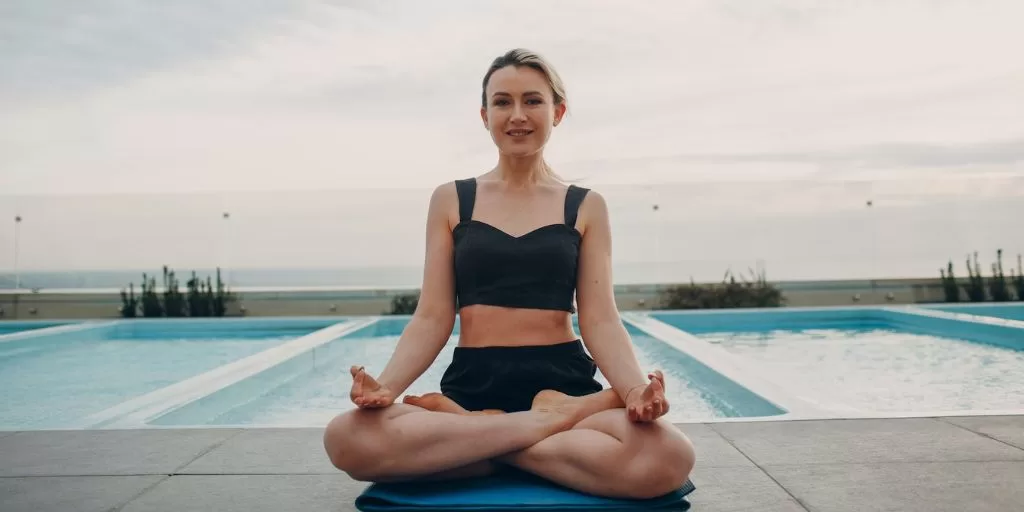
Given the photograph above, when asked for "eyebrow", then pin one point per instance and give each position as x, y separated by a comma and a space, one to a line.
527, 93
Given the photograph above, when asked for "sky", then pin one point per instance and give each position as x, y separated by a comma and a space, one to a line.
133, 114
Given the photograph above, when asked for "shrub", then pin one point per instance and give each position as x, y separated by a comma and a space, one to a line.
998, 287
949, 285
200, 300
754, 293
404, 304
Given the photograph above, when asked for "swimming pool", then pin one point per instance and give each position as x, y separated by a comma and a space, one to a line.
863, 362
313, 388
726, 365
57, 376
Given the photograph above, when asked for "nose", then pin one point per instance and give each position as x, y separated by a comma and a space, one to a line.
517, 113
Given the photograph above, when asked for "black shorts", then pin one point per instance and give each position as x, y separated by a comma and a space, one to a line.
507, 378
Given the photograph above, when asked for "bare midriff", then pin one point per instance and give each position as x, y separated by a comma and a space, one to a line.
486, 326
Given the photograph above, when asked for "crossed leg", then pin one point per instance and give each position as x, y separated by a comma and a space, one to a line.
604, 454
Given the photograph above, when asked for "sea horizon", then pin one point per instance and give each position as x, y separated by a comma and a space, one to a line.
399, 276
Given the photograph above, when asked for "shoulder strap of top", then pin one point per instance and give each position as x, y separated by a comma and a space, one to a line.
467, 197
573, 198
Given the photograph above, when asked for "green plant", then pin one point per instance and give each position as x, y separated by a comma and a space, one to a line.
997, 285
949, 286
753, 293
1018, 279
404, 304
222, 297
975, 286
129, 303
174, 301
200, 300
150, 301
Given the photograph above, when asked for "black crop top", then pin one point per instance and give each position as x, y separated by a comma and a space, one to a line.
536, 270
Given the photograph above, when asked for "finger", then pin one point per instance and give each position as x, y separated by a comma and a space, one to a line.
357, 383
657, 385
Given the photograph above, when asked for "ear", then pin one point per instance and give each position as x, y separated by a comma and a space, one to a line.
483, 116
559, 113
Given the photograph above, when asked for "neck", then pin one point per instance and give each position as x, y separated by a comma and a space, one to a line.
522, 171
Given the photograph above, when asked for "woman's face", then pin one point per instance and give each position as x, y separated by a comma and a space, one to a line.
520, 111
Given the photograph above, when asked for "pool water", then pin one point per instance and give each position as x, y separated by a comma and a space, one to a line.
11, 327
49, 383
319, 390
883, 370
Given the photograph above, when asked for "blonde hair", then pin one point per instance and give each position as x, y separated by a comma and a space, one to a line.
521, 57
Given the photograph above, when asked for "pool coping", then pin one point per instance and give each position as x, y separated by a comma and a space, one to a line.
136, 412
949, 315
56, 329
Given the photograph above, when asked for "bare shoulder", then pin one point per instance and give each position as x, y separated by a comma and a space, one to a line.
593, 211
444, 202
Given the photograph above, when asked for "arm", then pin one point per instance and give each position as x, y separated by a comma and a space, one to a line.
432, 322
600, 325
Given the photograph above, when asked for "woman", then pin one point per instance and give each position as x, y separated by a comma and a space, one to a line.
508, 250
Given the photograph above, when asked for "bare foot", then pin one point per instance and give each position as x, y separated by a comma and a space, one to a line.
569, 410
439, 403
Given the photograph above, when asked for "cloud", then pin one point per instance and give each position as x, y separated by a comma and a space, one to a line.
192, 96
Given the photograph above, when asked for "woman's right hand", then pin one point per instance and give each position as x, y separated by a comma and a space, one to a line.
367, 393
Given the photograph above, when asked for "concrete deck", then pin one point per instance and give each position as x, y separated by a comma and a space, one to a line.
916, 464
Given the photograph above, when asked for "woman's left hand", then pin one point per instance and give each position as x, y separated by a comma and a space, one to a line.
649, 403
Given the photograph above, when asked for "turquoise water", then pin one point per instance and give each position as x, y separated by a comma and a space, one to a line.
50, 381
10, 327
312, 389
856, 360
880, 370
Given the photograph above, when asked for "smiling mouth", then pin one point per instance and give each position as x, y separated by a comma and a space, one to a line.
519, 133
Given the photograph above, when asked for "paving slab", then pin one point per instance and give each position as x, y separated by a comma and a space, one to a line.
713, 450
250, 493
906, 487
736, 489
862, 441
267, 451
105, 452
79, 493
1008, 429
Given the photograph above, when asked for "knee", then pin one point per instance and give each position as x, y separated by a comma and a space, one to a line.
348, 445
665, 467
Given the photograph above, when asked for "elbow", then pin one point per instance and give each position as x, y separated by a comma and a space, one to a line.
441, 318
591, 320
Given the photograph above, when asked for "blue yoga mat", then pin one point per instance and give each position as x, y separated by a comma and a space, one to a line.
508, 490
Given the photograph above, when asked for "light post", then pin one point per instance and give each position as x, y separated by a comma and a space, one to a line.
225, 246
17, 273
17, 236
657, 234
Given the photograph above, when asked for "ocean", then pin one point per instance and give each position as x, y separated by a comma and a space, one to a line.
792, 230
